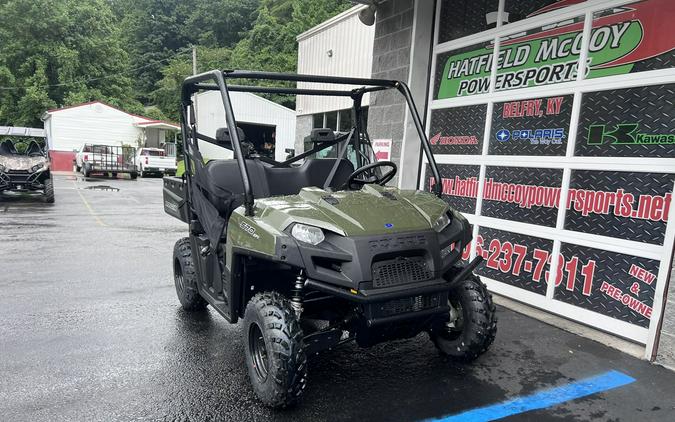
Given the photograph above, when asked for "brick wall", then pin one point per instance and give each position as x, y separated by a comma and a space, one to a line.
391, 60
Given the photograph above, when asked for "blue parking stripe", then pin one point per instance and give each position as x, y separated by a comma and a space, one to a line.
544, 399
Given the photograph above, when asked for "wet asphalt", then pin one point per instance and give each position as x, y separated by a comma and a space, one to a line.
90, 329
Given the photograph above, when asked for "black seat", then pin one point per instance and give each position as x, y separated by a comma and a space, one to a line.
313, 172
226, 187
7, 148
34, 149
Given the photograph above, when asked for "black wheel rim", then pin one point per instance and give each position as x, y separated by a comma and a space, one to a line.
178, 277
256, 344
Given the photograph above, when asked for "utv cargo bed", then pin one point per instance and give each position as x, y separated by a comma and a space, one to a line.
174, 198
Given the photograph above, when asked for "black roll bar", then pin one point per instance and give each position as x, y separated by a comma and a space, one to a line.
231, 122
197, 83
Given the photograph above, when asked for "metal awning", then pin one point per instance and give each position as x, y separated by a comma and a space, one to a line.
22, 131
158, 125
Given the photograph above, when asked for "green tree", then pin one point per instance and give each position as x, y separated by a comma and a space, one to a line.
269, 45
58, 55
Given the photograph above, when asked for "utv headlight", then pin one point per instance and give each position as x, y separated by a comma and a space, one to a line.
308, 234
442, 222
2, 168
36, 167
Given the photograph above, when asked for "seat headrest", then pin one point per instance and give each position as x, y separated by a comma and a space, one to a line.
33, 149
223, 135
322, 135
7, 148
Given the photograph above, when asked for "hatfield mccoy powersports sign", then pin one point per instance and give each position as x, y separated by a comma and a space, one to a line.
620, 37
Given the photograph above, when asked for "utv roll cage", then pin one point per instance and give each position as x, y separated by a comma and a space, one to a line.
217, 81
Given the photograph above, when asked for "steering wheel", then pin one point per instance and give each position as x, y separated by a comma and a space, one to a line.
353, 182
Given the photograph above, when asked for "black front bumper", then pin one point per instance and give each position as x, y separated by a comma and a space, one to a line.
392, 276
410, 301
21, 180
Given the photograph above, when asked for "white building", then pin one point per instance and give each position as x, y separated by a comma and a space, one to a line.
68, 128
270, 127
340, 46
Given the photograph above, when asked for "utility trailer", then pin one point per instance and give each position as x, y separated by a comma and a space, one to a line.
93, 158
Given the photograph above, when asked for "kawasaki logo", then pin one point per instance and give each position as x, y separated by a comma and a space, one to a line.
626, 134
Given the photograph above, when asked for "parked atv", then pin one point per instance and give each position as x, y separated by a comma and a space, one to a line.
27, 172
315, 255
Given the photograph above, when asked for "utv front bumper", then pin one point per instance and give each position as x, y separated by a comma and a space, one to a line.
392, 277
22, 180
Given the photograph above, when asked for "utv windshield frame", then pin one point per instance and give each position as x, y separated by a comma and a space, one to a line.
216, 81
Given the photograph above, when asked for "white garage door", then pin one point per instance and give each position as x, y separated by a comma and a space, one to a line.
576, 110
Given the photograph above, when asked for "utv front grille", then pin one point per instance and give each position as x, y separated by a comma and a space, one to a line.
408, 304
400, 270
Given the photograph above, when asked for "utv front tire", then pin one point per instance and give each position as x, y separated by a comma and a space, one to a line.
185, 278
49, 191
275, 356
474, 327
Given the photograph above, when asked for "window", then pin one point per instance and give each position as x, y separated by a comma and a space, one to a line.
317, 121
345, 120
331, 120
339, 120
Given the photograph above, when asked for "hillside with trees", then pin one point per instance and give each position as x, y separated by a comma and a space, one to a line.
134, 54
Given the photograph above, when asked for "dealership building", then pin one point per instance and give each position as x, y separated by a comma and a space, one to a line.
553, 126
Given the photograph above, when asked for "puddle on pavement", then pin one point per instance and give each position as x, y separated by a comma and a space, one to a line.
103, 187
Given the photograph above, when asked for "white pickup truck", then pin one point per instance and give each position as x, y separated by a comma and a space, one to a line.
154, 160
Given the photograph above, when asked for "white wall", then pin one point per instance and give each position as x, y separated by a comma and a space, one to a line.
351, 43
96, 123
248, 108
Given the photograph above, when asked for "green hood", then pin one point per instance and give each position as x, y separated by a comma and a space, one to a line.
370, 211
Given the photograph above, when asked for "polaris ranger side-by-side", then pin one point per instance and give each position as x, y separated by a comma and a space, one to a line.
314, 252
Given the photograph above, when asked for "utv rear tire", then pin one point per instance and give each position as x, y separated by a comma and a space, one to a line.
275, 355
476, 326
49, 191
134, 175
185, 278
85, 170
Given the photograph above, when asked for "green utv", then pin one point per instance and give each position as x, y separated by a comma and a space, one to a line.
316, 252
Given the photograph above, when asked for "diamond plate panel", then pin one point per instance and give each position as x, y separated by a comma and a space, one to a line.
460, 18
521, 186
637, 217
452, 193
458, 130
503, 265
648, 107
539, 114
619, 286
519, 9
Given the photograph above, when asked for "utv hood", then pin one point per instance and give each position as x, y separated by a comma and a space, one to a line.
18, 162
372, 210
